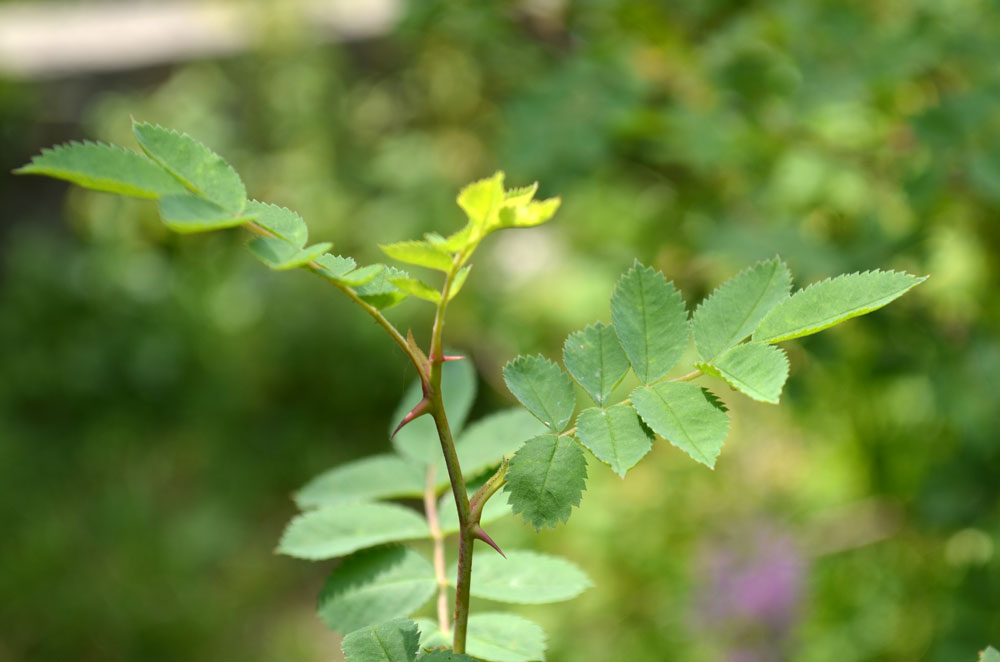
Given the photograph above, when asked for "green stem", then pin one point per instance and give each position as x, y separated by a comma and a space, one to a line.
440, 574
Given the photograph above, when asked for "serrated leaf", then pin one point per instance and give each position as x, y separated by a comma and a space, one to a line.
683, 414
546, 479
595, 358
989, 655
279, 221
493, 637
490, 438
187, 213
332, 531
518, 196
386, 476
418, 439
755, 369
334, 266
650, 320
734, 309
481, 202
525, 578
542, 387
380, 291
280, 255
614, 435
417, 288
420, 253
374, 586
200, 169
362, 275
496, 508
832, 301
395, 641
103, 167
458, 281
526, 216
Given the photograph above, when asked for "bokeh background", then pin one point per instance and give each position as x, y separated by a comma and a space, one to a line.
162, 396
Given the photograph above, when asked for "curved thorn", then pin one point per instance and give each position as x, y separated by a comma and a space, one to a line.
422, 408
477, 532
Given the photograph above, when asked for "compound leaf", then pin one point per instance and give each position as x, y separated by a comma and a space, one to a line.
543, 388
614, 435
200, 169
374, 586
281, 255
755, 369
333, 531
279, 221
103, 167
734, 309
378, 477
185, 213
651, 321
395, 641
418, 439
493, 637
832, 301
595, 358
545, 480
481, 203
526, 578
685, 415
420, 253
489, 439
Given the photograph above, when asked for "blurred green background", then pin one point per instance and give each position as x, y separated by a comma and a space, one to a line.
162, 396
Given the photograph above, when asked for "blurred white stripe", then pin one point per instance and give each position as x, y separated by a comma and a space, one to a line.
43, 39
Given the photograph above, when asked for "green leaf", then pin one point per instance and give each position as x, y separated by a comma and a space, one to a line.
542, 387
395, 641
417, 288
279, 221
418, 439
386, 476
280, 255
458, 281
362, 275
374, 586
481, 203
497, 507
493, 637
200, 169
334, 531
490, 438
334, 266
187, 213
651, 321
526, 216
516, 197
754, 369
832, 301
683, 414
596, 360
102, 167
420, 253
614, 435
380, 291
526, 578
545, 480
733, 310
989, 655
445, 656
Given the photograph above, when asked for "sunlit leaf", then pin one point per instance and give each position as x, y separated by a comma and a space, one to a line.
279, 221
755, 369
420, 253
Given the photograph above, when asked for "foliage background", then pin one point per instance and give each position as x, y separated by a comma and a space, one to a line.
162, 396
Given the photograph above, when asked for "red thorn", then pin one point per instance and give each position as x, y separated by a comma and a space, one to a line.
452, 358
422, 408
482, 535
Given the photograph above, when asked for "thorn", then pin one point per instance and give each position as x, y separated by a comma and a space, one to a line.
452, 358
422, 408
478, 532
